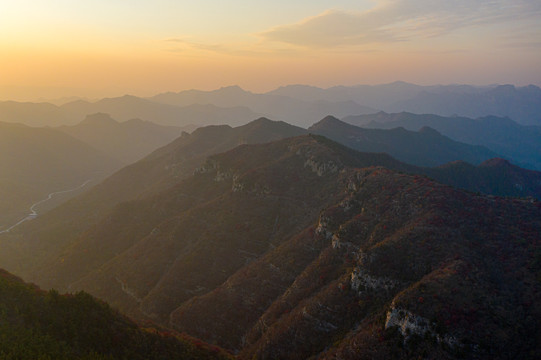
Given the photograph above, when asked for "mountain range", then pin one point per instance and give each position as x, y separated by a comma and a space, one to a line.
303, 247
131, 107
426, 147
274, 241
31, 114
295, 104
521, 104
123, 108
294, 111
35, 247
43, 237
126, 141
518, 142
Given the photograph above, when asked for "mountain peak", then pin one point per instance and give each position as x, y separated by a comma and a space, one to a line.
496, 162
327, 121
429, 131
99, 119
233, 89
329, 118
262, 119
265, 127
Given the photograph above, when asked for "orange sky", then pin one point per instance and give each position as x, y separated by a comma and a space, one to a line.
101, 48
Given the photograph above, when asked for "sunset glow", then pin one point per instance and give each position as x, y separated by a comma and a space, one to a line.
104, 48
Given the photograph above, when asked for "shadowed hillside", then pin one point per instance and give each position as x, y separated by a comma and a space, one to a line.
426, 147
519, 143
303, 247
35, 324
39, 241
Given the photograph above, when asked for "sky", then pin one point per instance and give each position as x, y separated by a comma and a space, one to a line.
96, 48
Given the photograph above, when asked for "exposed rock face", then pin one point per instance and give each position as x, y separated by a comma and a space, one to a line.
390, 241
282, 260
321, 168
361, 282
410, 324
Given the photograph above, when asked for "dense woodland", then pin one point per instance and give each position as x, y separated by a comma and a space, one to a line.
37, 324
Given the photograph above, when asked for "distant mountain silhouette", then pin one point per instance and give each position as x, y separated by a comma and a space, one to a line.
522, 104
494, 176
294, 111
130, 107
32, 114
375, 96
520, 143
123, 109
424, 148
127, 141
296, 104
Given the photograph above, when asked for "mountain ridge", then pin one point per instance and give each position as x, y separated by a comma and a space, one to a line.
501, 135
427, 147
37, 324
127, 141
304, 221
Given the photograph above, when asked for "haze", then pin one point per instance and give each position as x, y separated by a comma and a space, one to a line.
105, 48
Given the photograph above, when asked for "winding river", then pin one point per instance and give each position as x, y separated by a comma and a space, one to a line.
33, 212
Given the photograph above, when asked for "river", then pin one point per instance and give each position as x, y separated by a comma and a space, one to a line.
33, 212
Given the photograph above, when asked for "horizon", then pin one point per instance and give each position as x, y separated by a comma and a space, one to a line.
103, 49
74, 96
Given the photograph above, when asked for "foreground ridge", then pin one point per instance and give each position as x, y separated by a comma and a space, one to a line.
36, 324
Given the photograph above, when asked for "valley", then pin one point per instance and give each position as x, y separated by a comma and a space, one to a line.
270, 240
268, 180
33, 211
310, 219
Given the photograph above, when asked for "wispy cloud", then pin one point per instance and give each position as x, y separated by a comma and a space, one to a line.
253, 47
523, 40
400, 20
183, 44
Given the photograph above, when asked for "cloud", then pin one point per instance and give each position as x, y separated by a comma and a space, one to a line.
400, 20
523, 40
249, 48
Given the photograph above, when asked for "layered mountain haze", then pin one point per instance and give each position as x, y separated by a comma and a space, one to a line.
130, 107
426, 147
501, 135
522, 104
376, 96
495, 176
248, 180
40, 241
231, 105
32, 114
294, 111
126, 141
275, 241
303, 246
37, 250
296, 104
